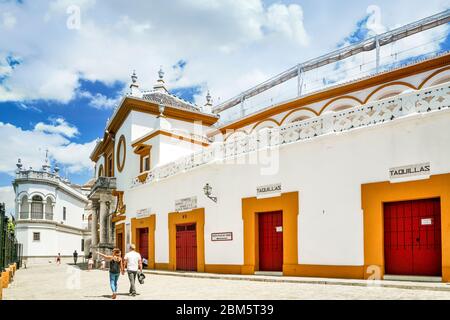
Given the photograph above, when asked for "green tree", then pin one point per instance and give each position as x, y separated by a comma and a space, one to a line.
11, 226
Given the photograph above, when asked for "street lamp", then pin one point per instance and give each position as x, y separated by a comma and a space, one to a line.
207, 189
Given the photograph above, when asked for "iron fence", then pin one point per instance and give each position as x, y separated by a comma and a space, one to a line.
10, 249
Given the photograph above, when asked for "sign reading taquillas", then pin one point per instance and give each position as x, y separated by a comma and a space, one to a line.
268, 190
421, 169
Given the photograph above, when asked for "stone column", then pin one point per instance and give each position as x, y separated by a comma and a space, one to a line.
94, 226
103, 221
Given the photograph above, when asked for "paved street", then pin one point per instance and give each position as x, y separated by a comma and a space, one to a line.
66, 282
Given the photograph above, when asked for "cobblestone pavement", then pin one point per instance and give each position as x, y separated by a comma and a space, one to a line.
67, 282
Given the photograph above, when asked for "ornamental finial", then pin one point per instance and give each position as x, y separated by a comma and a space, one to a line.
134, 77
161, 73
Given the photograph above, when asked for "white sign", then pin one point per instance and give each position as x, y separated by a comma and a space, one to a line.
143, 213
279, 229
222, 236
427, 222
421, 169
186, 204
268, 190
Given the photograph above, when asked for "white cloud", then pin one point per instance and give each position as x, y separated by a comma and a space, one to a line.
7, 197
214, 36
100, 101
58, 126
30, 146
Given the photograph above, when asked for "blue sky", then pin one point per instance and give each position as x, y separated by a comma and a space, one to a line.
59, 82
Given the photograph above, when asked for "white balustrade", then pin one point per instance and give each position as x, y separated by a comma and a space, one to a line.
420, 101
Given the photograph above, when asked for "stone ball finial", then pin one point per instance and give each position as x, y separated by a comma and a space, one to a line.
19, 164
134, 77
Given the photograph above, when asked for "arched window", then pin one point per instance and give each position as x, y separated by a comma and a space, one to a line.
37, 208
24, 208
49, 209
100, 171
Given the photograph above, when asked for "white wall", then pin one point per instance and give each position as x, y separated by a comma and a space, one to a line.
327, 172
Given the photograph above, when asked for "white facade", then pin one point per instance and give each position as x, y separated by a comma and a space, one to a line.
50, 215
325, 151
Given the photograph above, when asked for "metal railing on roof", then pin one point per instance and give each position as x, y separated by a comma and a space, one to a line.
374, 43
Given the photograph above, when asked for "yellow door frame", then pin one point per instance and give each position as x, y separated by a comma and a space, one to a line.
374, 195
288, 204
149, 223
196, 216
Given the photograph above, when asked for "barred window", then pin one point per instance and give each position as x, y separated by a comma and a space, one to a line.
37, 208
36, 236
24, 208
49, 209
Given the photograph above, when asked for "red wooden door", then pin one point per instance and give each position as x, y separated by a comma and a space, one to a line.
270, 241
119, 243
143, 242
186, 247
412, 237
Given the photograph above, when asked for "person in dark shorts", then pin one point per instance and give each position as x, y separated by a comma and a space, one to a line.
75, 257
115, 269
58, 259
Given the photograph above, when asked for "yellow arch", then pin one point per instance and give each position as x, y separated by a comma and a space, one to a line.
336, 99
432, 75
395, 83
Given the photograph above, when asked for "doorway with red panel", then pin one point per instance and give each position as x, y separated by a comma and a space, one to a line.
142, 235
270, 241
412, 238
186, 247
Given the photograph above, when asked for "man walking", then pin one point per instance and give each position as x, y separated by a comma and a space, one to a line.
133, 263
75, 257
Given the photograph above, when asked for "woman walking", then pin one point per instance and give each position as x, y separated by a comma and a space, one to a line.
115, 269
90, 261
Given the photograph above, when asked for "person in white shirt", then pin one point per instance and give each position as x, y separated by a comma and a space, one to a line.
133, 263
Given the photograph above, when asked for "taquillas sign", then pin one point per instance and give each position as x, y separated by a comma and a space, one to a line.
268, 190
421, 169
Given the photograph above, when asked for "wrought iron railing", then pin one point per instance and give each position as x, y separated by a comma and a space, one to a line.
10, 249
382, 111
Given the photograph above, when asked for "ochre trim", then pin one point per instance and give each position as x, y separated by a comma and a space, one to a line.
196, 216
435, 73
120, 229
373, 195
346, 89
289, 204
142, 177
120, 145
324, 271
223, 268
337, 99
168, 134
161, 266
296, 110
150, 223
118, 218
390, 84
265, 120
132, 104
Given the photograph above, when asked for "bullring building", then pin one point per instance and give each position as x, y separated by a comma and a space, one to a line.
349, 180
